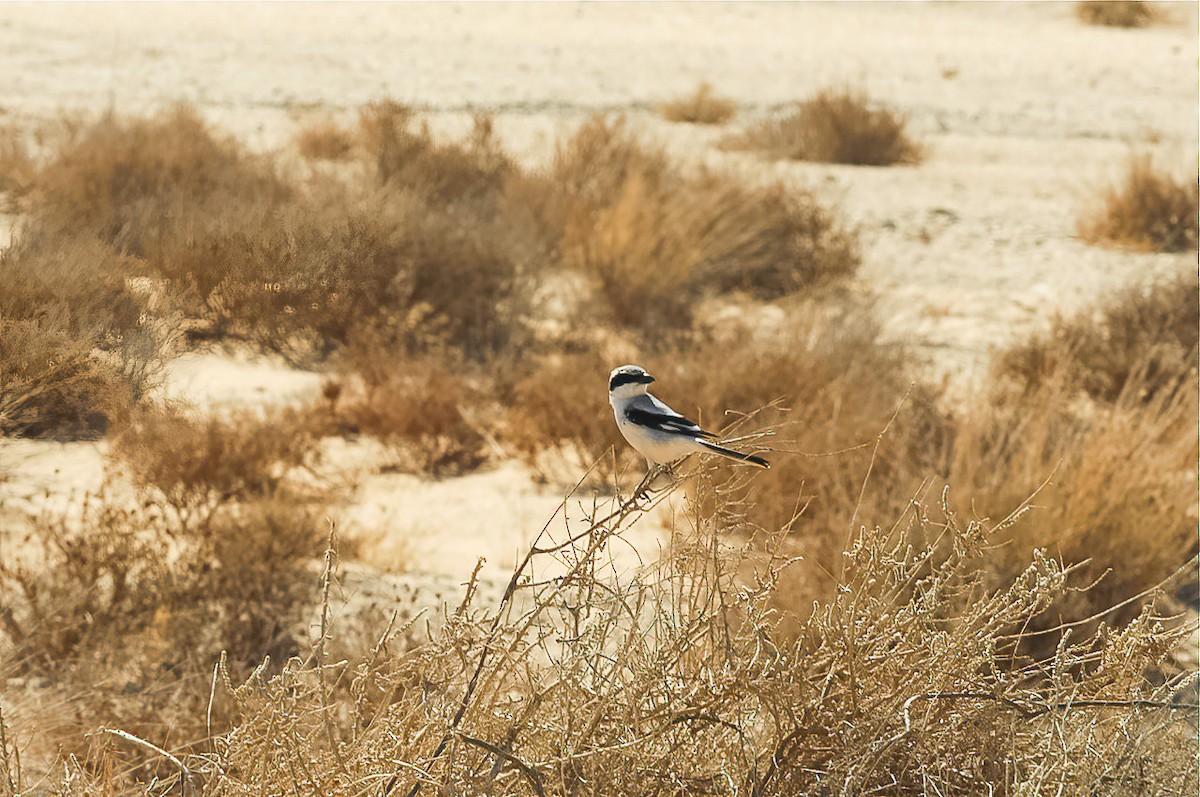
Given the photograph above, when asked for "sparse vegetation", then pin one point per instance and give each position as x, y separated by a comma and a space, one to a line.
702, 107
1149, 211
1139, 343
653, 239
831, 627
435, 418
325, 141
835, 125
1116, 13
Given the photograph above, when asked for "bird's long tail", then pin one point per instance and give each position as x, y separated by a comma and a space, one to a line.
738, 455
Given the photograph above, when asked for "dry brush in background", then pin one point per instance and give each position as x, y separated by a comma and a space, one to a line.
1148, 210
834, 125
701, 107
1116, 13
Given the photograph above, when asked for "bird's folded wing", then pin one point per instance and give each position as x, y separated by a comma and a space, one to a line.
653, 414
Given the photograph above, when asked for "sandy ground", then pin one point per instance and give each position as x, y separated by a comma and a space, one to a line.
1025, 112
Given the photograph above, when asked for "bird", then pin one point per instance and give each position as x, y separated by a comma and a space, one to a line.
657, 432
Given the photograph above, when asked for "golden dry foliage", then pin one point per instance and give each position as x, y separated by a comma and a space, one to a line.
1149, 211
1144, 338
435, 418
17, 167
1116, 13
195, 464
835, 125
325, 141
133, 180
78, 345
559, 407
652, 239
702, 107
670, 679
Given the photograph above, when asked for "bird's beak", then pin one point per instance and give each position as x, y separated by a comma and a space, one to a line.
647, 379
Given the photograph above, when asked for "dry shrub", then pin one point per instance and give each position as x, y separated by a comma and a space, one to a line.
702, 107
120, 613
79, 347
1120, 491
196, 464
1149, 211
559, 406
51, 385
325, 141
835, 125
308, 281
671, 679
435, 418
130, 181
1116, 13
653, 239
17, 167
1146, 339
441, 173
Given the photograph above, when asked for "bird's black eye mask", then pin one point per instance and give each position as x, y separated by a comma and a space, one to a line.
629, 379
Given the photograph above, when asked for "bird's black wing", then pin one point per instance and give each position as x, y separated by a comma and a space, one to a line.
653, 414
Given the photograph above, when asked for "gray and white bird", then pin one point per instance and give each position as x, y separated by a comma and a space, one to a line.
659, 433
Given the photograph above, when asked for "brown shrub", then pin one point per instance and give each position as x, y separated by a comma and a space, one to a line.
1115, 13
1149, 212
325, 141
835, 125
897, 682
559, 406
308, 280
51, 385
17, 167
441, 173
132, 180
703, 107
433, 416
1118, 487
119, 614
197, 464
653, 239
80, 346
1144, 339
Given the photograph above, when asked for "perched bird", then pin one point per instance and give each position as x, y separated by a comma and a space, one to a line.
659, 433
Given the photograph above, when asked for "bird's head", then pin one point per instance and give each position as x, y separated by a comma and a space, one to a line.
627, 380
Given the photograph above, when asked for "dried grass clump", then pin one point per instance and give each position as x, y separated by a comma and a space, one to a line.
311, 280
79, 347
114, 616
130, 181
1149, 211
196, 464
435, 418
325, 141
1118, 487
703, 107
1116, 13
558, 409
17, 167
652, 239
407, 157
835, 125
52, 386
1140, 339
671, 678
